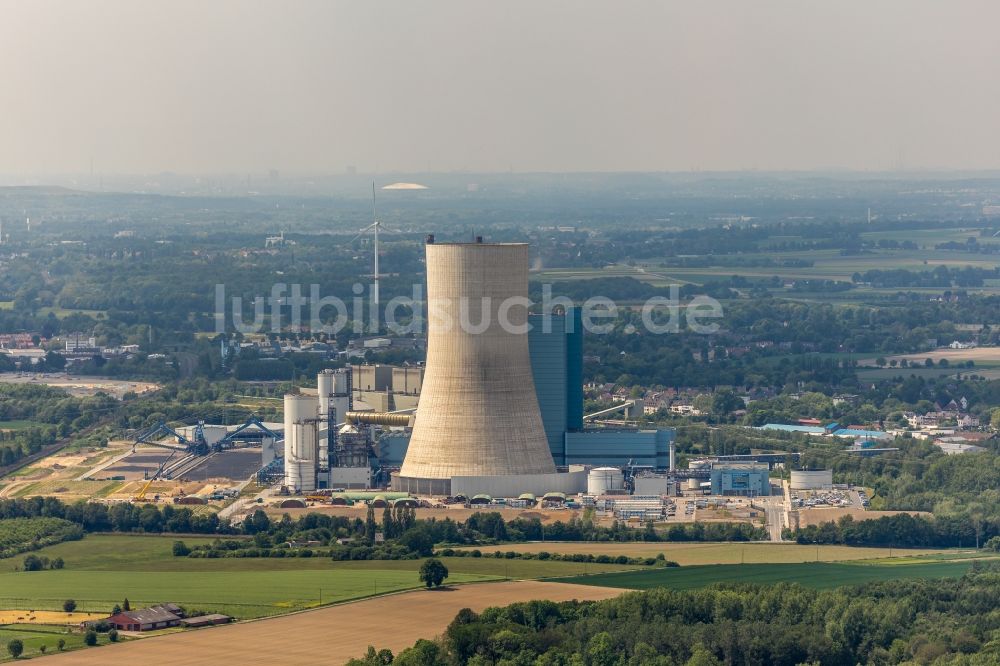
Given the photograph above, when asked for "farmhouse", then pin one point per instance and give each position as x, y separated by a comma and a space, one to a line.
147, 619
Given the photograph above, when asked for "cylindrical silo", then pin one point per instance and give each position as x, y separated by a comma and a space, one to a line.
478, 414
300, 442
605, 480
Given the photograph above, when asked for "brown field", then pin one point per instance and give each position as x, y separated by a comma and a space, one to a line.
457, 513
977, 354
712, 553
833, 514
46, 617
329, 635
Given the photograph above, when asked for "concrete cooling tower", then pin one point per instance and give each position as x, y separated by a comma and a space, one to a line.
478, 413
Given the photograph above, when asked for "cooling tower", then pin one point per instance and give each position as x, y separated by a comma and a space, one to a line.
478, 414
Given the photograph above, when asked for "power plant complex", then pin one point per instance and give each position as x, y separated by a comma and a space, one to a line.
500, 406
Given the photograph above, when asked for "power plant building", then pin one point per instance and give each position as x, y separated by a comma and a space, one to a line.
741, 479
500, 407
478, 414
555, 346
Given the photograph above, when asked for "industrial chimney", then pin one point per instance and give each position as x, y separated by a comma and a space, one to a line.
478, 414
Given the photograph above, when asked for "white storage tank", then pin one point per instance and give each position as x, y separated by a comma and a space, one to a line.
817, 479
605, 481
693, 484
300, 442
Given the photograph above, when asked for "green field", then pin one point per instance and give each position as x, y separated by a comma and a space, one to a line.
102, 570
809, 574
18, 425
826, 265
34, 637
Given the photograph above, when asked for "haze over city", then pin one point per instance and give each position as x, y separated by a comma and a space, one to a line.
317, 86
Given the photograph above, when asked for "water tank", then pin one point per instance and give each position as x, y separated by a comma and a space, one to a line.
811, 479
693, 484
605, 480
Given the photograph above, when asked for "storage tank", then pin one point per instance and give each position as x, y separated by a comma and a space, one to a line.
300, 442
811, 479
693, 484
605, 481
478, 413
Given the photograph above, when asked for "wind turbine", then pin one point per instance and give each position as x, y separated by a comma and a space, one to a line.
374, 228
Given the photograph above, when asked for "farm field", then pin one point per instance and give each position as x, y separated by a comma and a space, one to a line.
826, 265
14, 425
242, 594
687, 554
334, 634
35, 636
102, 570
985, 355
808, 574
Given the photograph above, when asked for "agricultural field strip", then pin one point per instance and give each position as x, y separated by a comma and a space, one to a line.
336, 634
808, 574
711, 553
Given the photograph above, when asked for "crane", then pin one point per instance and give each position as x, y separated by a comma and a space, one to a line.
141, 497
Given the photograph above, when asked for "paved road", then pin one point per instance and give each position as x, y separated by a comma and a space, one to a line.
775, 520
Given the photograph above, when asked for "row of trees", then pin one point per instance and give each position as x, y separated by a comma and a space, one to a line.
751, 625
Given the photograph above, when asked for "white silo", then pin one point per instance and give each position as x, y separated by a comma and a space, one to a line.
605, 481
478, 413
300, 442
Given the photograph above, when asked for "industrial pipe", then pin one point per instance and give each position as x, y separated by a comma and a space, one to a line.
378, 418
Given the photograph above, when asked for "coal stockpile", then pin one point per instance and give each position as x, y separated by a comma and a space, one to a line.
236, 465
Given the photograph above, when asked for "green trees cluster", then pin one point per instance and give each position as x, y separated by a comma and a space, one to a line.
19, 535
40, 563
780, 625
433, 572
900, 530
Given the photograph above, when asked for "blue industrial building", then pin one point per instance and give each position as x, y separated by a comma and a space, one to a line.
555, 344
746, 479
619, 447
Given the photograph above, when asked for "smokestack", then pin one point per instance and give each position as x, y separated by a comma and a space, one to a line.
478, 414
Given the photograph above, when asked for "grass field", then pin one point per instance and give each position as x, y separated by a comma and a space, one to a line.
34, 637
826, 265
102, 570
716, 553
18, 425
243, 594
808, 574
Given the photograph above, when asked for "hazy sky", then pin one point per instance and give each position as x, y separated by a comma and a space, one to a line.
576, 85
